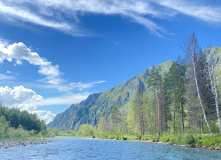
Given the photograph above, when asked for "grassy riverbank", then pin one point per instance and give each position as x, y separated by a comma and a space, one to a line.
209, 141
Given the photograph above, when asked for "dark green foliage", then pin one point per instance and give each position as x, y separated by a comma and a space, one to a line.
205, 87
175, 82
154, 78
155, 81
28, 121
115, 116
190, 139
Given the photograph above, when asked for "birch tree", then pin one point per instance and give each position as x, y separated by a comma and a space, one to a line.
212, 77
192, 51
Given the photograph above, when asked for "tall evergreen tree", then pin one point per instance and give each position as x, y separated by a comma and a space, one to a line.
115, 116
154, 80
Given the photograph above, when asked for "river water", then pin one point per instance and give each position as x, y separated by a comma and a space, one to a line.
97, 149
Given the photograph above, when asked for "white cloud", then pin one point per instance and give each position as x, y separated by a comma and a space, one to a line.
6, 77
18, 96
198, 10
26, 15
20, 52
65, 100
27, 99
47, 116
11, 73
18, 62
75, 85
82, 86
64, 15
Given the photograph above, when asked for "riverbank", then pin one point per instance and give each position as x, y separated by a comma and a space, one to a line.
18, 143
181, 145
207, 141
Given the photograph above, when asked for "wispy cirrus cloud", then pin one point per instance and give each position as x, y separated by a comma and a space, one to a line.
80, 86
23, 14
65, 15
62, 100
196, 9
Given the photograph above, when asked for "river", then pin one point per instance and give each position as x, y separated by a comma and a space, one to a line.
72, 148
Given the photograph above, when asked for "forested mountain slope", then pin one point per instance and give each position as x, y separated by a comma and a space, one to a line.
96, 105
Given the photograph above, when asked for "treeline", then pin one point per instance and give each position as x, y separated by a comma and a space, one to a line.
183, 100
17, 118
21, 125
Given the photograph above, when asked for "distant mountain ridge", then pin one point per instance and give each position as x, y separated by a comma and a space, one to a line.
93, 108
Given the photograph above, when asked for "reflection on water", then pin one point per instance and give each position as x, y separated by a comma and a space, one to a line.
82, 148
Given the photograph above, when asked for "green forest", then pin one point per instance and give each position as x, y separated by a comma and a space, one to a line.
183, 101
21, 125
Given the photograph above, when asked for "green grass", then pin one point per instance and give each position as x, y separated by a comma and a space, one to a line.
202, 141
212, 140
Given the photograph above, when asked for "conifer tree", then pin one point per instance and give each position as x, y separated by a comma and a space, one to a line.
154, 81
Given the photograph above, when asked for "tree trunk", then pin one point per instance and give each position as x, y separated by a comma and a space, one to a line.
174, 112
158, 102
181, 104
216, 99
198, 93
181, 107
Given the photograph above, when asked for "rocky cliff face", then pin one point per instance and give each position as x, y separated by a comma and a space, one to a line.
94, 107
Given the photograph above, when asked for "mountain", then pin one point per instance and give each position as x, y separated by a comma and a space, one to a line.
94, 107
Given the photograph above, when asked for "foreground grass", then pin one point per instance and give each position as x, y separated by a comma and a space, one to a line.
19, 134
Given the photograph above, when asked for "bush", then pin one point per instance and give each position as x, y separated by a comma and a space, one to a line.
165, 139
103, 135
154, 138
190, 139
86, 130
15, 134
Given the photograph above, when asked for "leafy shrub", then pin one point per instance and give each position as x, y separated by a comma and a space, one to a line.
189, 139
86, 130
154, 138
165, 139
17, 134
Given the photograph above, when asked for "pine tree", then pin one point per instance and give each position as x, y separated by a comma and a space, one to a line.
115, 116
154, 80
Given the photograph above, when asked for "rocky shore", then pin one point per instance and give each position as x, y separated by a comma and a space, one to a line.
6, 144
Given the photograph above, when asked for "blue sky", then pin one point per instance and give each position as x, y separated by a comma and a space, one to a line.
54, 53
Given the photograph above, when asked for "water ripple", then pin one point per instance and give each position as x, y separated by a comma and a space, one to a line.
96, 149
